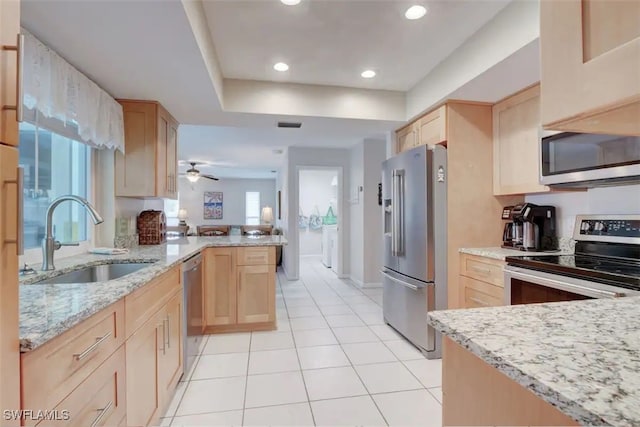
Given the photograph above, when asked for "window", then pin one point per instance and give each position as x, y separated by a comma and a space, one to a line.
252, 208
54, 165
171, 208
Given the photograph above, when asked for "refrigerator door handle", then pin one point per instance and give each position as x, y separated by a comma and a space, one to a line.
398, 212
394, 200
401, 282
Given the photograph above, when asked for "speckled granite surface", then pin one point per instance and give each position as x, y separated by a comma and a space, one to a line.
46, 311
565, 247
583, 357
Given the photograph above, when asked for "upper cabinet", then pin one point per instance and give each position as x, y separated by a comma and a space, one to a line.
9, 53
516, 126
149, 166
590, 57
430, 129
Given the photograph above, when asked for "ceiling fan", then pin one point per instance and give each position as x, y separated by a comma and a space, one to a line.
193, 174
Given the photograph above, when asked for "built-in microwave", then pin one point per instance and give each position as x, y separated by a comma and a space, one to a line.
570, 159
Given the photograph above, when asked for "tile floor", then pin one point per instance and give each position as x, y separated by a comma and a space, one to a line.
331, 362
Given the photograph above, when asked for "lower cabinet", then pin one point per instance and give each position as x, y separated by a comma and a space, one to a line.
256, 294
154, 360
98, 401
481, 281
239, 289
143, 355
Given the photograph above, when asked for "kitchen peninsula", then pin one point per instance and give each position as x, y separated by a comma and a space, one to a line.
47, 310
562, 363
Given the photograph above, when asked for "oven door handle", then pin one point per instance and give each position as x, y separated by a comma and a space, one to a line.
516, 273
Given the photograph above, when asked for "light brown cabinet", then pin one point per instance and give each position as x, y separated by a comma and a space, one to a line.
481, 281
516, 127
154, 347
429, 129
433, 127
256, 294
466, 401
143, 350
219, 288
9, 30
590, 66
239, 289
9, 212
407, 137
149, 166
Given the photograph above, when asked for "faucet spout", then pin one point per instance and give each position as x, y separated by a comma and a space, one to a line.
49, 244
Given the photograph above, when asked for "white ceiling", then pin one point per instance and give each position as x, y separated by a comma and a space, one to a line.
332, 42
144, 49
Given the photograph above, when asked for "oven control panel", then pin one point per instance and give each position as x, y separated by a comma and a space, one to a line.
607, 226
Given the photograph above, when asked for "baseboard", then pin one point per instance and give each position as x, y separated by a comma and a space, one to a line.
363, 285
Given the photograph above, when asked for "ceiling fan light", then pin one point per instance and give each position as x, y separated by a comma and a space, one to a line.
193, 176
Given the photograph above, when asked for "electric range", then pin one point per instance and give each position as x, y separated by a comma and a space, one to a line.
605, 263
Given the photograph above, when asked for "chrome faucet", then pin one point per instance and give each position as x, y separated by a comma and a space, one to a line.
49, 243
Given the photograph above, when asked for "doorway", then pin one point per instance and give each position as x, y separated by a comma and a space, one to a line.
319, 217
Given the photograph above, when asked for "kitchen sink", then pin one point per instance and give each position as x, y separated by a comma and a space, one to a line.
97, 273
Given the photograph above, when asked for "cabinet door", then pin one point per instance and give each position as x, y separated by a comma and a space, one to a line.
143, 352
170, 366
590, 65
172, 159
406, 138
433, 127
516, 126
163, 185
135, 171
9, 29
220, 293
256, 294
9, 342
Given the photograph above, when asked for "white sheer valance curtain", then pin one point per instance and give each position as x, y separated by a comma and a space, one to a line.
55, 90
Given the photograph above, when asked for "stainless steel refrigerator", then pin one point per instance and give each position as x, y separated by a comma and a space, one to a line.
414, 188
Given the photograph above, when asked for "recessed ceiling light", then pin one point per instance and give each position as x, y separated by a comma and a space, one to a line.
290, 2
281, 66
415, 12
368, 74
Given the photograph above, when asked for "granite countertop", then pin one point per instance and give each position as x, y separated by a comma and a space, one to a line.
48, 310
582, 357
503, 253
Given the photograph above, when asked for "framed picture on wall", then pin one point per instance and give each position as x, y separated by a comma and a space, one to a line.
212, 205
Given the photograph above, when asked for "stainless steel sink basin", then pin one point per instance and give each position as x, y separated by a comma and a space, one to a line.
97, 273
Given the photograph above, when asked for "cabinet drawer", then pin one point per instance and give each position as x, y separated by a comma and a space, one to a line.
264, 255
100, 399
52, 371
476, 299
144, 302
483, 287
481, 268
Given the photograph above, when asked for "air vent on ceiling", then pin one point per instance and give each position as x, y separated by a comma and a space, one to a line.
292, 125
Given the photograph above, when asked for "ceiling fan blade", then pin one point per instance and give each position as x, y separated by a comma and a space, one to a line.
210, 177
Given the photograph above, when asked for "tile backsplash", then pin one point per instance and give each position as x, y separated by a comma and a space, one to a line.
623, 199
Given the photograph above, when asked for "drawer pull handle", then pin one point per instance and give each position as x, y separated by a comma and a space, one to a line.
483, 271
168, 331
102, 413
164, 337
479, 301
99, 340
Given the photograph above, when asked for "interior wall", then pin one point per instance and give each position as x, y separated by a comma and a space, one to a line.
606, 200
366, 214
317, 194
233, 198
301, 158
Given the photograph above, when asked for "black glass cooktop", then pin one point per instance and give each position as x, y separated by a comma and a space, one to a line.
596, 268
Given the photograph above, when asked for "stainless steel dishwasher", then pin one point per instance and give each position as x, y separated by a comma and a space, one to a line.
192, 309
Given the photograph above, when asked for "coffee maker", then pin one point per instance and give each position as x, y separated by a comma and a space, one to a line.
530, 227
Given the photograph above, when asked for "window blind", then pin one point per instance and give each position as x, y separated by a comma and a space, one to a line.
252, 207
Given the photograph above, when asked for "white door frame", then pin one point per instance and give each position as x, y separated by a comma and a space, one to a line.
341, 236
